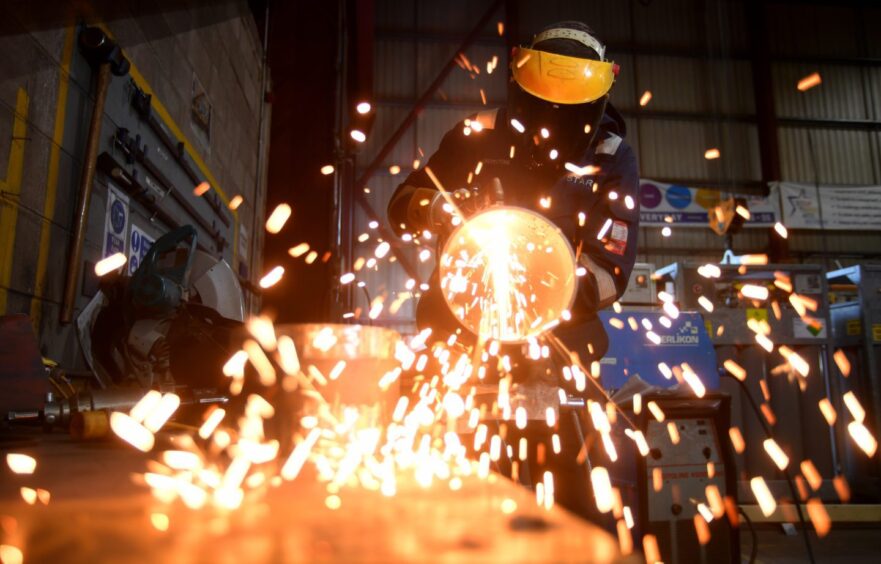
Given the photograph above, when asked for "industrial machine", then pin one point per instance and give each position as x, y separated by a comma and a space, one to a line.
856, 328
666, 486
170, 322
681, 482
790, 401
640, 287
170, 326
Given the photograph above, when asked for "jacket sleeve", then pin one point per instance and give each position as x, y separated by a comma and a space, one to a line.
608, 238
408, 208
606, 243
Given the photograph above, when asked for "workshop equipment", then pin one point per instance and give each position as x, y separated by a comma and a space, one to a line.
631, 366
86, 414
697, 470
640, 288
631, 354
171, 322
856, 328
168, 327
508, 273
800, 428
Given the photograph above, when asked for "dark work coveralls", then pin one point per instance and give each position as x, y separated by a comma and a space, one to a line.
608, 197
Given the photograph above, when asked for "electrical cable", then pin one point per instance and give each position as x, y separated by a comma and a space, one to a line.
795, 497
367, 295
754, 549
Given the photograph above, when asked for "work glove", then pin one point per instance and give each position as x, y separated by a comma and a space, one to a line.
469, 201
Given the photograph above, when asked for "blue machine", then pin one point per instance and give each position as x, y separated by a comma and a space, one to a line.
631, 352
702, 423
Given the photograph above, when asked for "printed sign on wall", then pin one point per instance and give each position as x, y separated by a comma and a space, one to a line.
830, 207
140, 244
688, 206
116, 222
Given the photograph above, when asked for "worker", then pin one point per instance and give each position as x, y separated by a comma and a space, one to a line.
558, 138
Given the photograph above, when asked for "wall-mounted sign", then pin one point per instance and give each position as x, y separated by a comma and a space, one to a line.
140, 243
830, 207
116, 222
687, 207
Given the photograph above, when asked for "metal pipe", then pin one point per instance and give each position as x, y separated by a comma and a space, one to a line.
343, 297
260, 175
87, 178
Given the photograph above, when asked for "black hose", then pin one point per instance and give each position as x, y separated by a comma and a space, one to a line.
754, 549
795, 497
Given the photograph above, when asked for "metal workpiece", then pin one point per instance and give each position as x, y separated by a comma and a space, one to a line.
367, 354
95, 491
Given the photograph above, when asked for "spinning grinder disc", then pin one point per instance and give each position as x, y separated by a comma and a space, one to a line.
508, 274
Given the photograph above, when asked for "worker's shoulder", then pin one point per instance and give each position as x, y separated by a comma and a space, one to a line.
611, 144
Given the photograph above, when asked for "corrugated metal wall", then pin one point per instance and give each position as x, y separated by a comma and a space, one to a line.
694, 57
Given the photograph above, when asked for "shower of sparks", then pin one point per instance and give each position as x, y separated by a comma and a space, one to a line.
299, 250
21, 463
766, 501
358, 136
809, 82
278, 218
11, 554
272, 277
233, 457
109, 264
781, 230
776, 453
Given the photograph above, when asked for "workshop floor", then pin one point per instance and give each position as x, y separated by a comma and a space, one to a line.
852, 546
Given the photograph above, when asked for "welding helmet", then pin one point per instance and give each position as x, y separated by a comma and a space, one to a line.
561, 82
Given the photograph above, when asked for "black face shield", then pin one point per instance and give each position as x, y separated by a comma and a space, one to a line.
571, 128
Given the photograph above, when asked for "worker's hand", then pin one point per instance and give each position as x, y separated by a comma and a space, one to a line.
441, 213
468, 201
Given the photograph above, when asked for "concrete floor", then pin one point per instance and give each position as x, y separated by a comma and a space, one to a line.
852, 546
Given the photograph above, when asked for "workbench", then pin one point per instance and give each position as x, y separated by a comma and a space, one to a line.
98, 513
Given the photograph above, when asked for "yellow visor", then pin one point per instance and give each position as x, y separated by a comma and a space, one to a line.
561, 79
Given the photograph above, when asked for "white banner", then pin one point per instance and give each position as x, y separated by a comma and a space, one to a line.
832, 207
688, 206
